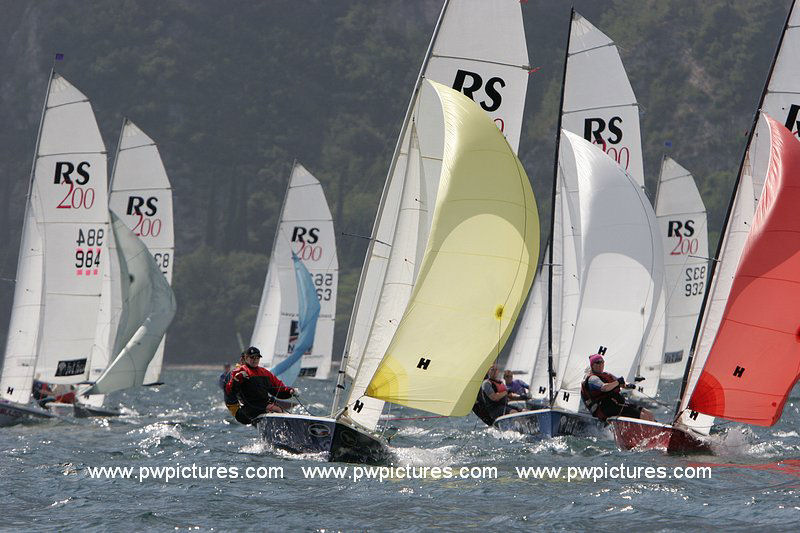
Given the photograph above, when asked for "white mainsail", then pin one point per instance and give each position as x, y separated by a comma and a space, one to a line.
479, 49
599, 103
621, 270
781, 100
305, 228
148, 308
141, 196
523, 359
683, 224
70, 194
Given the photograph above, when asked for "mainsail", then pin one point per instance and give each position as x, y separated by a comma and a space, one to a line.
141, 196
621, 269
64, 246
484, 238
308, 313
305, 228
683, 223
478, 48
148, 307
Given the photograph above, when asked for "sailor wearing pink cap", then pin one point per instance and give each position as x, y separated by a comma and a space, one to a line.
600, 392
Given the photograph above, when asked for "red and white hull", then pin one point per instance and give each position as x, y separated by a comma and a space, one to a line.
630, 433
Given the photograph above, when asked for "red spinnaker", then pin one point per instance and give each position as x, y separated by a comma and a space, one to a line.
755, 359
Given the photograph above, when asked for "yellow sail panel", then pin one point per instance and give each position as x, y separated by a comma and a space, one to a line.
476, 272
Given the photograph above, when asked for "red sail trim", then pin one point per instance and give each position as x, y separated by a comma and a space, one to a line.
755, 359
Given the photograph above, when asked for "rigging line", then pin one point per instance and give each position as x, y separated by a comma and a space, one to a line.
297, 397
363, 237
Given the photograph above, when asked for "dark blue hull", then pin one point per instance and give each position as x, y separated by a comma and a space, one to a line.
14, 413
549, 423
313, 434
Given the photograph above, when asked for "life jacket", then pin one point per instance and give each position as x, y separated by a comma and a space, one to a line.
593, 398
484, 405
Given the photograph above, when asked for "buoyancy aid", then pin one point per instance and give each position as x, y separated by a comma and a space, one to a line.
593, 398
484, 405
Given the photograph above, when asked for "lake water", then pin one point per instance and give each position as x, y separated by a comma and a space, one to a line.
754, 478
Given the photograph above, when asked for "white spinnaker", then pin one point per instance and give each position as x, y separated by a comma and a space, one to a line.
599, 103
478, 48
149, 306
305, 227
141, 195
683, 225
621, 268
71, 198
524, 354
20, 355
781, 100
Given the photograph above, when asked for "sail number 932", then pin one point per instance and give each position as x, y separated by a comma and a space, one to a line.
323, 282
695, 281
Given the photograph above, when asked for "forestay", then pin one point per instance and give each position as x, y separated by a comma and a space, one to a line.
479, 49
148, 308
683, 225
141, 196
484, 237
621, 269
305, 228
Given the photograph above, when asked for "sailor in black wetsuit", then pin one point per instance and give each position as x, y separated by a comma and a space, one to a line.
254, 389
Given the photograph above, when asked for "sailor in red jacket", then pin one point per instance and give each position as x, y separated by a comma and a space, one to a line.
600, 392
255, 387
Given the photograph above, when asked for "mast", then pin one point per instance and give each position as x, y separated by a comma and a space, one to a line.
550, 372
406, 120
725, 223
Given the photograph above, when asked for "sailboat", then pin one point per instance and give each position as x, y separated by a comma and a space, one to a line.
305, 229
684, 229
62, 254
148, 306
693, 420
759, 300
141, 195
476, 270
598, 104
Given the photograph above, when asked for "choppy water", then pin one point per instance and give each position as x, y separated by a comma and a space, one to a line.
44, 474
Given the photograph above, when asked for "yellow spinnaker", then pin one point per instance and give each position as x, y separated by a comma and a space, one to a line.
476, 272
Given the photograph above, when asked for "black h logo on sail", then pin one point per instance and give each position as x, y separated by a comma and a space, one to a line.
602, 350
358, 406
542, 390
10, 390
693, 415
566, 396
423, 363
739, 371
